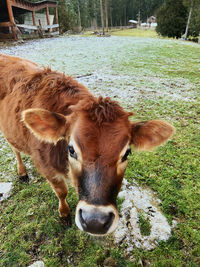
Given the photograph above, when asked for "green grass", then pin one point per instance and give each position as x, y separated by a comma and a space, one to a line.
135, 33
127, 33
145, 226
29, 224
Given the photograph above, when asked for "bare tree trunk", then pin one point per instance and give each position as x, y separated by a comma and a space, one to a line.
111, 21
102, 17
79, 19
139, 22
106, 11
120, 22
95, 19
124, 16
94, 24
188, 23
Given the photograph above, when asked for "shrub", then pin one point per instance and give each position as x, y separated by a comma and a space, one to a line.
171, 18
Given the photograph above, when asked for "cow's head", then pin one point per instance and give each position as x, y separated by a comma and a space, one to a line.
99, 137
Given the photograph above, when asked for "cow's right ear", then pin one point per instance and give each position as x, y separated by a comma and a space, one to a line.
45, 125
147, 135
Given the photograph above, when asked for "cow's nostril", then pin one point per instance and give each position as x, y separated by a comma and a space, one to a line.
96, 222
82, 220
109, 220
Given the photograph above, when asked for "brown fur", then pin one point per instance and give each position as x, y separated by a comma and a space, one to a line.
100, 127
101, 110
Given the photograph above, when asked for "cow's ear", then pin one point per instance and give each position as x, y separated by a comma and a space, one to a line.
45, 125
147, 135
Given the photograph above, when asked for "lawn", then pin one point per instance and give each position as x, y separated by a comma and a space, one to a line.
155, 78
128, 32
135, 32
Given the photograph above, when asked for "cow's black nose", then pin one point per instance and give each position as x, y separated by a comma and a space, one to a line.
96, 222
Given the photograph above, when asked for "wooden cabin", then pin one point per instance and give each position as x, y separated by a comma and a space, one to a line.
13, 24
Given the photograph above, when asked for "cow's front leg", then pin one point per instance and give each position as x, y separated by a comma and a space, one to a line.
61, 191
21, 169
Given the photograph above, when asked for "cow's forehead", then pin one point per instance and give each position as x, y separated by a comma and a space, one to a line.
106, 140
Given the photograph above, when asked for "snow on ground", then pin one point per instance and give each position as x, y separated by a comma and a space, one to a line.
140, 200
5, 190
110, 66
37, 264
137, 87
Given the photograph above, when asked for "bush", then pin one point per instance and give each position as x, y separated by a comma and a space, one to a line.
171, 18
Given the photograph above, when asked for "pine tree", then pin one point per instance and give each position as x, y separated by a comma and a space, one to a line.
171, 18
64, 16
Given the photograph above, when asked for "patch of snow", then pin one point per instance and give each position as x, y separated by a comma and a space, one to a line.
123, 87
136, 200
5, 190
37, 264
106, 60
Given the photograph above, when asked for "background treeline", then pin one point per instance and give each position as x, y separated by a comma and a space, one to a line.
174, 17
86, 13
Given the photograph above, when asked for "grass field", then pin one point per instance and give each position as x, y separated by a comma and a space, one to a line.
128, 32
135, 33
155, 78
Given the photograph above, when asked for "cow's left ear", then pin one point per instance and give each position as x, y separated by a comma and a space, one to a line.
149, 134
45, 125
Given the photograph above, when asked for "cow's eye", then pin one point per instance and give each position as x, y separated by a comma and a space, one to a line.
128, 151
72, 152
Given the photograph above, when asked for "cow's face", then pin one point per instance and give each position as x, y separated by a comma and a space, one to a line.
97, 157
97, 162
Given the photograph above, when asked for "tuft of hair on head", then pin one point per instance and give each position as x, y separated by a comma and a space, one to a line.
102, 110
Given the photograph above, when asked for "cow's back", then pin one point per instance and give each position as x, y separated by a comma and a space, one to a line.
13, 71
24, 85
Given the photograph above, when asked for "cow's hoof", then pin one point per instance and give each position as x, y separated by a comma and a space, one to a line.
66, 221
24, 179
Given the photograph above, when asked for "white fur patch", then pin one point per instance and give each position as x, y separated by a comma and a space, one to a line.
121, 166
76, 164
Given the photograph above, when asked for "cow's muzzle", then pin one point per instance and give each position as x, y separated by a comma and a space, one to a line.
96, 220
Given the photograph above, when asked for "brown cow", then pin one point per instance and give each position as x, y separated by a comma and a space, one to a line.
69, 133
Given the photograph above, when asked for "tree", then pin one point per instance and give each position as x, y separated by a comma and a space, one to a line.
79, 17
171, 18
102, 17
106, 12
79, 14
191, 3
65, 17
193, 22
